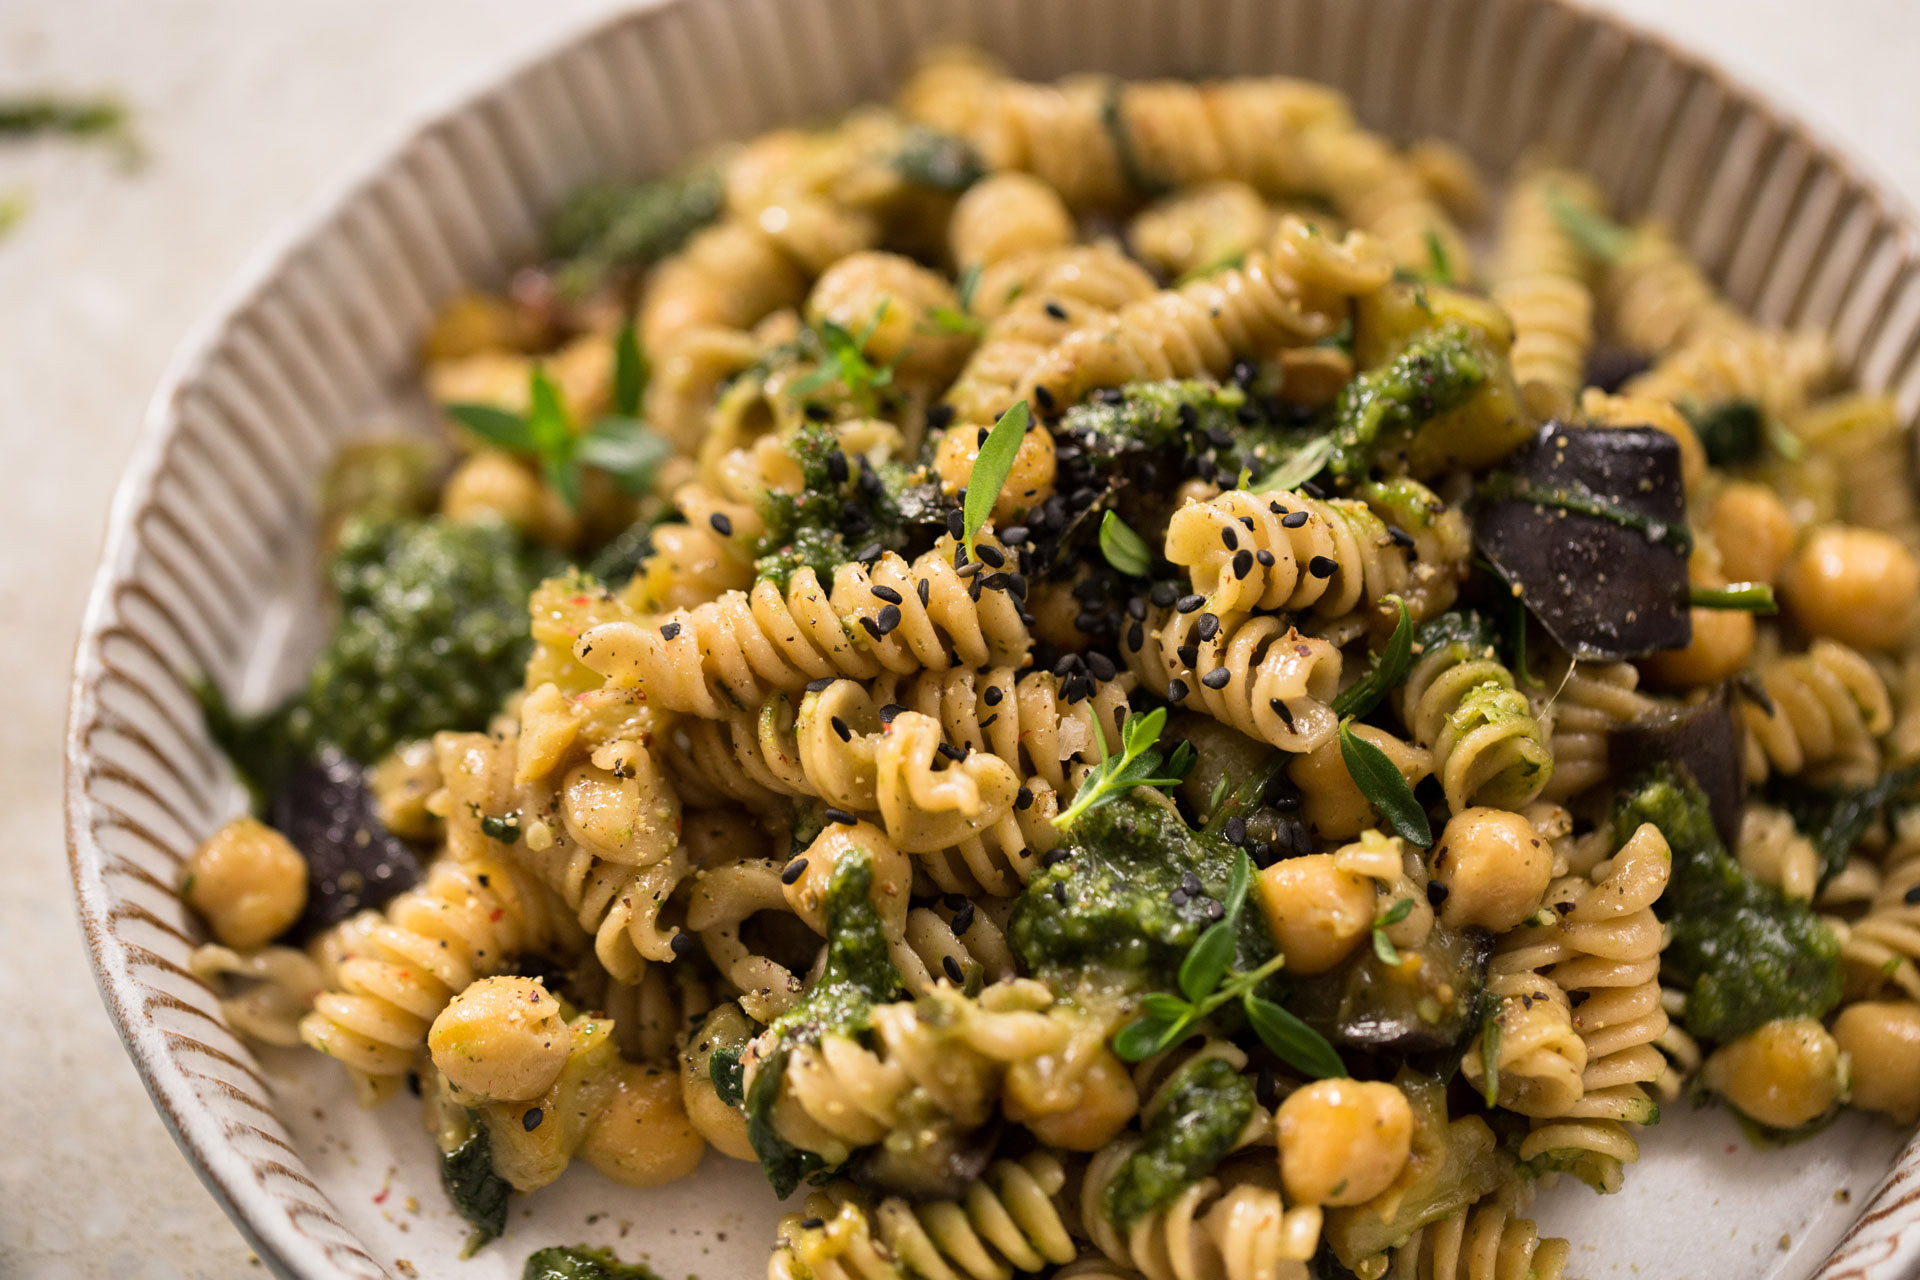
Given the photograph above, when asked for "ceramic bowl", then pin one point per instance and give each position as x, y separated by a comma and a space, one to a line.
209, 565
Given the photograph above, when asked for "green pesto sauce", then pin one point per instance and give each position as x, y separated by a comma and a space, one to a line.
858, 973
938, 161
811, 529
1438, 370
581, 1263
607, 225
477, 1193
1206, 1107
1748, 954
433, 633
1115, 901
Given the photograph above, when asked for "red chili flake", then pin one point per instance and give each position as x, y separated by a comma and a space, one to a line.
583, 600
495, 917
382, 1197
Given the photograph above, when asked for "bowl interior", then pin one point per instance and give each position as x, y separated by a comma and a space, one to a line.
209, 567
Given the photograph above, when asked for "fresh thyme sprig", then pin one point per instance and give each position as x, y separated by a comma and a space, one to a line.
1393, 915
617, 443
845, 360
1136, 765
1207, 982
1384, 787
991, 467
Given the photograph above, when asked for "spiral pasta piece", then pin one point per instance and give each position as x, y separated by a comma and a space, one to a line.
1487, 1241
1285, 550
1592, 701
1262, 677
1772, 851
1828, 705
1539, 1058
1201, 227
1292, 297
1006, 1223
1541, 279
464, 921
730, 653
1007, 215
1880, 952
1377, 190
1780, 372
1657, 296
723, 899
1232, 1225
275, 988
1488, 748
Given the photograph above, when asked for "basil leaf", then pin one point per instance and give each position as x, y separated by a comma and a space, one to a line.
991, 468
496, 426
552, 432
1144, 1037
1389, 670
1207, 962
1237, 885
630, 372
1383, 947
1384, 788
629, 451
1163, 1007
1299, 1045
1306, 462
1124, 549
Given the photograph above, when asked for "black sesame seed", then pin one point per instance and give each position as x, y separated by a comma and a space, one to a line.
963, 916
1054, 858
956, 523
1228, 536
1215, 909
841, 816
1014, 534
1136, 637
820, 685
889, 619
1191, 883
950, 751
1137, 609
1436, 892
991, 555
1323, 566
923, 589
1189, 654
1216, 678
818, 412
1089, 622
1162, 595
1101, 666
951, 967
1023, 799
889, 711
812, 1224
837, 467
939, 415
793, 871
1178, 897
1064, 667
1236, 830
840, 727
887, 593
1208, 627
1242, 563
1017, 585
1188, 603
1176, 690
1265, 557
531, 1119
968, 570
1282, 710
1313, 490
1060, 893
1912, 896
683, 945
1293, 520
721, 525
981, 439
1189, 416
869, 553
872, 628
1044, 398
1400, 536
668, 630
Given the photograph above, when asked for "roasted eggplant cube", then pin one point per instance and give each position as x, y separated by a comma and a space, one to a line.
353, 862
1368, 1005
1705, 737
1589, 526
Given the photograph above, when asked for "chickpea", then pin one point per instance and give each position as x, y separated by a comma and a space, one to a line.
1722, 645
642, 1137
981, 229
502, 1039
1785, 1074
1882, 1038
1854, 585
493, 483
1343, 1142
1494, 867
1316, 912
1753, 532
1333, 805
1105, 1100
1028, 483
247, 882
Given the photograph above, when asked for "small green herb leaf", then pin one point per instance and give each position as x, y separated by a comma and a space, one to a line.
1383, 947
1297, 1044
1388, 673
1227, 262
967, 285
1124, 549
1383, 786
1394, 914
1115, 775
1166, 1008
629, 451
1439, 265
551, 430
1238, 882
992, 466
500, 427
941, 319
1306, 462
1207, 962
1181, 762
1144, 1037
630, 372
1597, 235
1752, 597
1490, 1058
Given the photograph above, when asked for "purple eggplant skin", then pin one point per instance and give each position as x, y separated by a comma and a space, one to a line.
325, 808
1706, 738
1589, 526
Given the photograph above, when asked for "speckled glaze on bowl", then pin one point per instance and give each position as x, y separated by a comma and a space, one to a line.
208, 566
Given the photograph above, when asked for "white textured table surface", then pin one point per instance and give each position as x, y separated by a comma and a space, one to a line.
247, 109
